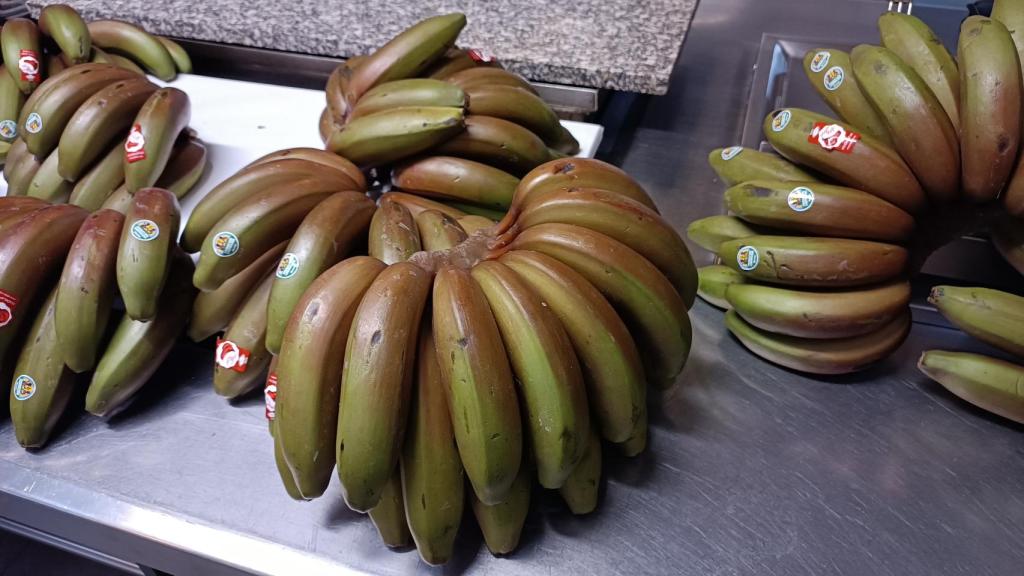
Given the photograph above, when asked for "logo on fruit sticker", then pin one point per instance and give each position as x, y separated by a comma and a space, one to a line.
833, 79
145, 230
833, 137
819, 61
8, 302
135, 145
800, 199
231, 356
34, 123
781, 120
270, 396
8, 129
747, 258
479, 55
225, 244
24, 387
28, 65
731, 152
288, 266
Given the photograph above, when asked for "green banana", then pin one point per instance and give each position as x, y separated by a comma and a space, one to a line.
15, 153
1008, 238
86, 290
472, 222
438, 231
100, 121
457, 179
919, 47
126, 63
409, 92
830, 147
1011, 14
831, 75
338, 86
11, 102
515, 105
64, 24
46, 183
568, 173
120, 199
151, 139
416, 204
502, 522
581, 487
476, 374
242, 356
710, 232
54, 65
497, 142
396, 133
123, 38
715, 281
99, 56
178, 54
546, 368
805, 261
96, 185
22, 169
326, 125
819, 209
309, 371
53, 81
992, 316
637, 441
815, 356
432, 481
990, 94
610, 360
393, 233
454, 60
282, 469
389, 514
736, 165
638, 290
325, 236
489, 76
146, 250
317, 156
989, 383
42, 385
185, 168
137, 348
19, 42
477, 210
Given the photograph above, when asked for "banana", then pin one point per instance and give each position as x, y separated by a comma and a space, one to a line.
457, 179
19, 41
32, 252
86, 290
242, 357
376, 382
515, 105
454, 60
625, 220
246, 184
1013, 197
252, 228
407, 54
137, 348
410, 92
581, 487
129, 40
1008, 238
46, 118
310, 367
125, 63
178, 54
282, 469
52, 82
324, 157
326, 125
546, 368
212, 311
326, 235
46, 183
416, 204
100, 57
471, 223
920, 128
992, 316
638, 290
487, 76
185, 168
394, 236
438, 231
100, 121
710, 232
151, 139
396, 133
736, 165
831, 75
338, 105
610, 360
11, 102
22, 169
815, 356
819, 209
477, 210
919, 47
432, 482
839, 152
502, 522
120, 199
714, 284
579, 173
96, 185
989, 383
54, 65
63, 23
389, 514
20, 204
42, 385
990, 94
497, 142
476, 374
804, 261
15, 153
637, 441
146, 250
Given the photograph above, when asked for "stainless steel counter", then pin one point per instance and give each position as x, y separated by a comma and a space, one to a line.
752, 469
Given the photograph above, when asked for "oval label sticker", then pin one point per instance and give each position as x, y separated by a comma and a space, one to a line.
731, 152
34, 123
833, 79
747, 258
24, 387
288, 266
8, 129
781, 120
800, 199
820, 60
145, 230
225, 244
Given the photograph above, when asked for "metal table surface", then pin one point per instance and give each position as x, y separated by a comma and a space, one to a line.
752, 469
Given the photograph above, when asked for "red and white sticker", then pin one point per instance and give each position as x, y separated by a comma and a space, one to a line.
231, 356
28, 65
135, 145
833, 137
8, 302
479, 55
270, 395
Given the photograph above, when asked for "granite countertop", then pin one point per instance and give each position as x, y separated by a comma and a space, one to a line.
625, 45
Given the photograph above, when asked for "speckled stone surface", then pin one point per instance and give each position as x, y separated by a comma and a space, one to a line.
628, 45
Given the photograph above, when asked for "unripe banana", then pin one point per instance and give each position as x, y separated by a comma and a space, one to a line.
988, 383
489, 76
471, 223
16, 152
181, 58
242, 356
992, 316
99, 183
63, 23
502, 523
119, 200
416, 204
11, 102
394, 236
710, 232
22, 170
409, 92
454, 60
497, 142
47, 184
54, 65
477, 210
323, 157
637, 442
457, 179
715, 281
394, 134
130, 40
579, 173
581, 487
736, 165
151, 140
389, 514
438, 231
831, 75
185, 168
146, 250
19, 40
515, 105
126, 63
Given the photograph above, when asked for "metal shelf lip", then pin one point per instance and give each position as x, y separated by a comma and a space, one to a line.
70, 547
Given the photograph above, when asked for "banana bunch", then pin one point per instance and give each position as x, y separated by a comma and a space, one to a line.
419, 95
820, 240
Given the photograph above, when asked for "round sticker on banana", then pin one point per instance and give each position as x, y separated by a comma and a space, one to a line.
145, 230
225, 244
820, 60
800, 199
34, 123
833, 79
747, 258
731, 152
8, 130
24, 387
288, 266
781, 120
